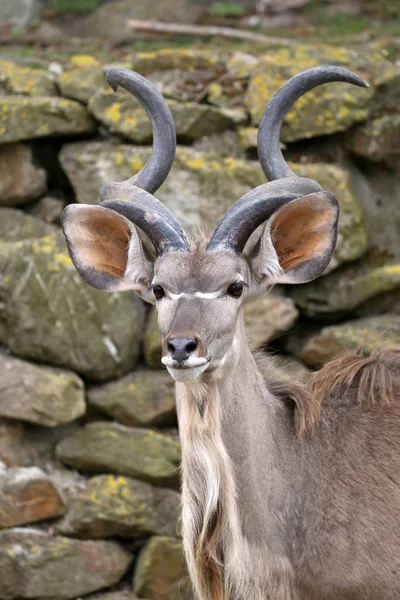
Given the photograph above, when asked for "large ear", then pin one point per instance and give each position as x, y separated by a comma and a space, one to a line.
106, 249
298, 241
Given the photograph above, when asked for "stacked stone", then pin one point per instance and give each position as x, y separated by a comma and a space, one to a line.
89, 471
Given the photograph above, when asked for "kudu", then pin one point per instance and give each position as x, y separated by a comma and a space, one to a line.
289, 492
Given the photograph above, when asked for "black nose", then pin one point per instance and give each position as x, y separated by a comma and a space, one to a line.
181, 348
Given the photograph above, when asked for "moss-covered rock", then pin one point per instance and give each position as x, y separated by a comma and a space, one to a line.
36, 565
16, 225
48, 209
268, 317
27, 81
143, 398
47, 313
202, 186
27, 495
111, 447
186, 59
377, 140
80, 83
20, 179
24, 118
366, 335
120, 506
41, 395
122, 114
346, 290
160, 572
331, 108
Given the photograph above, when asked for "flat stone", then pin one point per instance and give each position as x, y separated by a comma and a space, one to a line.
22, 445
346, 290
366, 335
37, 394
377, 140
81, 82
202, 186
110, 447
143, 398
328, 109
268, 317
58, 319
122, 114
16, 225
35, 565
48, 209
18, 79
185, 59
24, 118
120, 506
20, 179
27, 495
152, 342
160, 572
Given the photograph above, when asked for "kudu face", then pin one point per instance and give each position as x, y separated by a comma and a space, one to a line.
199, 287
198, 303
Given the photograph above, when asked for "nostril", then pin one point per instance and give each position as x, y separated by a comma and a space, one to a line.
181, 348
191, 346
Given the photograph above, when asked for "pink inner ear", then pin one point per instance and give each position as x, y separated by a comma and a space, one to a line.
303, 230
99, 239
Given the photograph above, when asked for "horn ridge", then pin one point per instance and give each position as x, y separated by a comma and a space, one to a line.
269, 152
155, 171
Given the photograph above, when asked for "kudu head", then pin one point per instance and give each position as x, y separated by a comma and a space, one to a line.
199, 286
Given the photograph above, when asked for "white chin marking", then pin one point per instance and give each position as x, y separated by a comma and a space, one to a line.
186, 374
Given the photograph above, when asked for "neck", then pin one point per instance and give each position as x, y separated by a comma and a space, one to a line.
227, 483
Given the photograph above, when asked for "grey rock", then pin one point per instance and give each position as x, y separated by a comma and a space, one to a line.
160, 572
120, 506
58, 319
16, 226
110, 447
143, 398
37, 394
27, 495
25, 118
20, 179
35, 565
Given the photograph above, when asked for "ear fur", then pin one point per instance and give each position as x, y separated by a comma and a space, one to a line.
298, 240
105, 249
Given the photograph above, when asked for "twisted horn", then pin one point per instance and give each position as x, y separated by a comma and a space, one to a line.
269, 152
255, 207
155, 171
133, 198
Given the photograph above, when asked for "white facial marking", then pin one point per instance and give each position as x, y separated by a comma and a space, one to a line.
192, 361
187, 374
205, 295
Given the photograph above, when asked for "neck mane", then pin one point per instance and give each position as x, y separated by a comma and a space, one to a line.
217, 432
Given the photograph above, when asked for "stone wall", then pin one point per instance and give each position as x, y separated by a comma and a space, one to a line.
89, 450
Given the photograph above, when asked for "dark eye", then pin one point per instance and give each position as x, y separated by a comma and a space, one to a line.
235, 289
158, 292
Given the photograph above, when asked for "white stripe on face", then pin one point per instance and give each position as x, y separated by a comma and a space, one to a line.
203, 295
